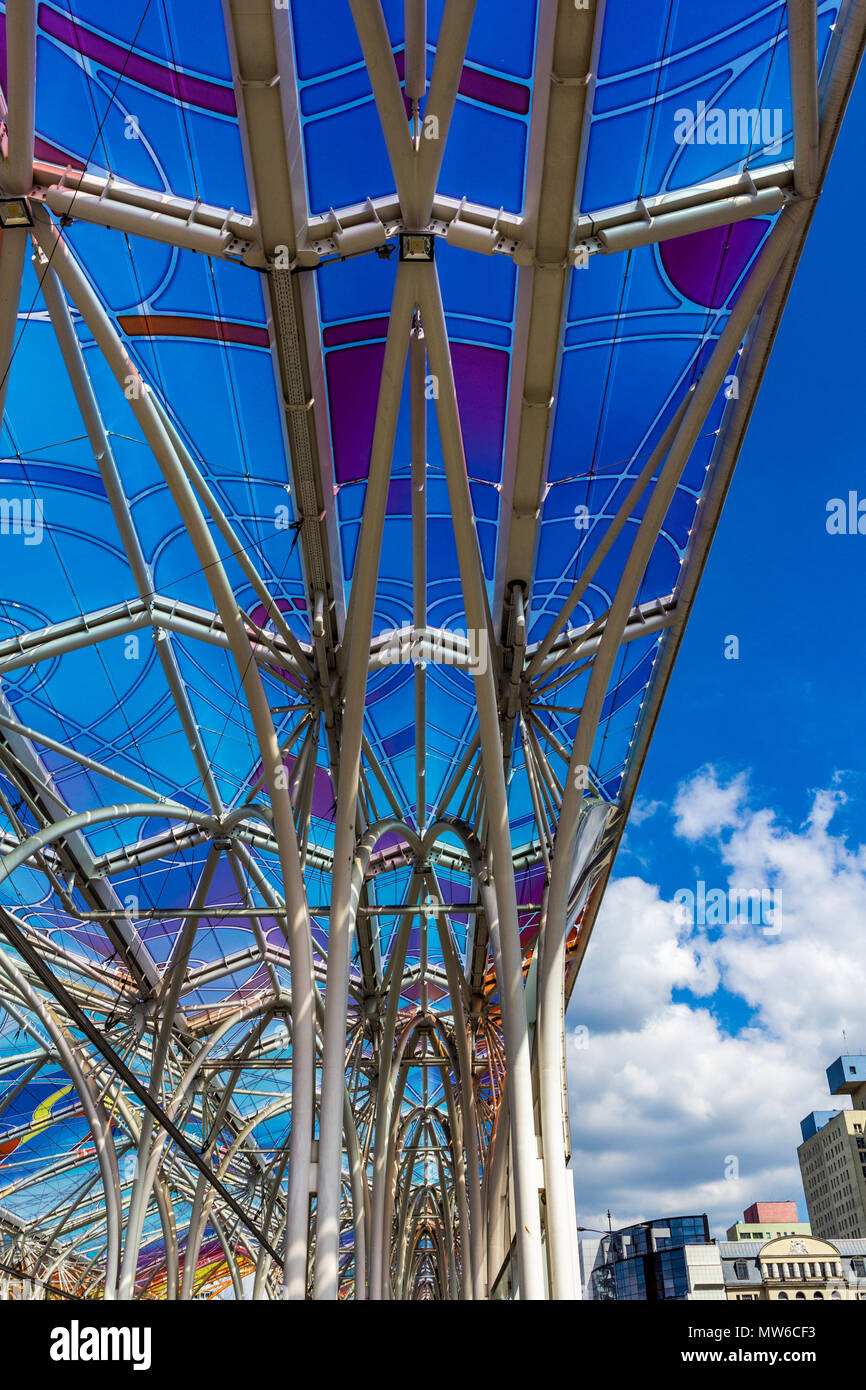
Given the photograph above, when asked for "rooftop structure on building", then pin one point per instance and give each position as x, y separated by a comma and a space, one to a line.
762, 1220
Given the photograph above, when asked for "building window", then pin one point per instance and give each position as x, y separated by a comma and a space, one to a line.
741, 1270
785, 1296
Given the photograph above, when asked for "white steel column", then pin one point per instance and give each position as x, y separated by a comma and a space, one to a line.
418, 429
16, 172
341, 930
513, 1004
803, 60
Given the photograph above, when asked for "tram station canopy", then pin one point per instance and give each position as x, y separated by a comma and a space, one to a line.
373, 375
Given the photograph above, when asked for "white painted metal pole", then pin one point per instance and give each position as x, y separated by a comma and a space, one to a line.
513, 1004
341, 930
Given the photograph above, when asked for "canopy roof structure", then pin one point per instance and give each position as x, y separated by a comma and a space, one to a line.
373, 375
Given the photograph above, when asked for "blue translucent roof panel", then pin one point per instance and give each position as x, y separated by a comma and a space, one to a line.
687, 94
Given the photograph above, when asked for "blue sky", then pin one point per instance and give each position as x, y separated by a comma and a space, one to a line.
746, 1024
791, 708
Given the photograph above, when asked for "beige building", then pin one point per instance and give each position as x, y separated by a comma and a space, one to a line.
794, 1267
833, 1157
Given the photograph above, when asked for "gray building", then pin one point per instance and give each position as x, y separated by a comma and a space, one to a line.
833, 1156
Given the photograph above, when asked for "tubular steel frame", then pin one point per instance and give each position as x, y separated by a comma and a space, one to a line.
345, 1206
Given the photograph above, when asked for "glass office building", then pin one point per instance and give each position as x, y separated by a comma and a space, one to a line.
647, 1261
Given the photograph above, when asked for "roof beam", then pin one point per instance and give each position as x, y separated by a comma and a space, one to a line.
112, 189
15, 173
334, 233
451, 43
375, 44
15, 169
619, 226
125, 207
562, 99
260, 42
803, 61
72, 634
644, 619
666, 225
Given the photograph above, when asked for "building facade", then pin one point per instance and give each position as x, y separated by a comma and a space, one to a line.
798, 1268
833, 1157
764, 1220
642, 1263
671, 1258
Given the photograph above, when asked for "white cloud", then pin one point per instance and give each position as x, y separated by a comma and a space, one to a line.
639, 953
659, 1113
663, 1095
703, 806
642, 810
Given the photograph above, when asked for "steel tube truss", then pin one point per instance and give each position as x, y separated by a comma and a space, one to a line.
294, 1020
